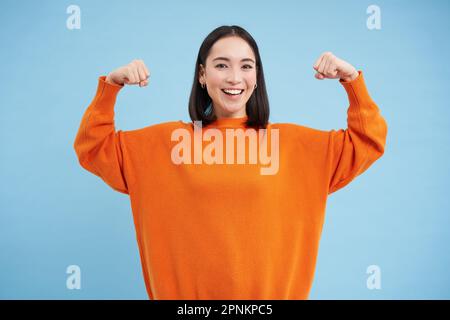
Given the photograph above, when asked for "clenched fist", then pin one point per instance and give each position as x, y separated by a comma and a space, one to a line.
133, 73
328, 66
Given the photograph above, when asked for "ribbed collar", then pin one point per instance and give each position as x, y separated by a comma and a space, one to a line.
229, 122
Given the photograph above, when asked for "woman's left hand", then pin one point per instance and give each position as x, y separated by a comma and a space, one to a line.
328, 66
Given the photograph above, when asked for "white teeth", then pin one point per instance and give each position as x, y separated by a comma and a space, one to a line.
233, 91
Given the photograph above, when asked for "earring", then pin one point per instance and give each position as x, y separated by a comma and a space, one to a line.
203, 86
256, 85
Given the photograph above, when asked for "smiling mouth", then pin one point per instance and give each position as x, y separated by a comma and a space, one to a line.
231, 94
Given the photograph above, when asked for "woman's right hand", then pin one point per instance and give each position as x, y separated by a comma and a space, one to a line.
133, 73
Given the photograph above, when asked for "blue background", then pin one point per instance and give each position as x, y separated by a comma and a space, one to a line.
55, 214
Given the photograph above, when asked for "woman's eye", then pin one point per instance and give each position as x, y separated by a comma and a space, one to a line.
247, 66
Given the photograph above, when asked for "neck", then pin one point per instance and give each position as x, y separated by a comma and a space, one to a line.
230, 122
241, 114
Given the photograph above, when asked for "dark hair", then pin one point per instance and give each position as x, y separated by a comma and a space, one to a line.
200, 103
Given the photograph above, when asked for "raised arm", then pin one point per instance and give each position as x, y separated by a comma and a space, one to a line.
98, 146
354, 149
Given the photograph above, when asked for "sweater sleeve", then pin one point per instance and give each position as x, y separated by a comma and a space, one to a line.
97, 144
354, 149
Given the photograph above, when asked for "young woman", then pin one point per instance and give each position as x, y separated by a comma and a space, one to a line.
210, 222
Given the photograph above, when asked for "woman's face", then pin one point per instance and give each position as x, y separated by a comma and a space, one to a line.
229, 65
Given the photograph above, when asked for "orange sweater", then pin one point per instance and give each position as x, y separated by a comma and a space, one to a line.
226, 231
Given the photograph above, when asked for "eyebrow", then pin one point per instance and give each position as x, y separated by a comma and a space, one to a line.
226, 59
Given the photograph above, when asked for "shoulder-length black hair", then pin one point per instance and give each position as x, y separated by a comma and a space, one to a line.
257, 106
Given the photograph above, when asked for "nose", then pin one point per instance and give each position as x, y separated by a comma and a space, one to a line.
234, 76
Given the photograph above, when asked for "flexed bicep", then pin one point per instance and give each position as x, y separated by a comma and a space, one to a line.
354, 149
98, 146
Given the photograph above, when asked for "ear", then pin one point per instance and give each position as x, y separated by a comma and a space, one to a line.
201, 73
